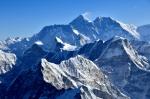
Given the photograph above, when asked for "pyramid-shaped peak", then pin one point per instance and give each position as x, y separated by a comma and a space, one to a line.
80, 18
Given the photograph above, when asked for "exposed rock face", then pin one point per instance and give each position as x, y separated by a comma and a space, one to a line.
76, 78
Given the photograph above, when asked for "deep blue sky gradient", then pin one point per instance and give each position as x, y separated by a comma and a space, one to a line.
27, 17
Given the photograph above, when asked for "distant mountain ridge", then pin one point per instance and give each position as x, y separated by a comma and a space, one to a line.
77, 33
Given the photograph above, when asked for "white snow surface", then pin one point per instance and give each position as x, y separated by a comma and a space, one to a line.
130, 28
69, 47
39, 43
76, 31
66, 46
75, 73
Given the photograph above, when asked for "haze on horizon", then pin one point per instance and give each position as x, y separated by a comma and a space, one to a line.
24, 18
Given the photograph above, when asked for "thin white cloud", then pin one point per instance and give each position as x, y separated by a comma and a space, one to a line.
87, 15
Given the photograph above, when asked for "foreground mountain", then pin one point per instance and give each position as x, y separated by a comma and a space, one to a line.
123, 65
76, 78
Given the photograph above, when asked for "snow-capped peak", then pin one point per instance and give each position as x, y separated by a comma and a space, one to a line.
81, 18
109, 27
128, 27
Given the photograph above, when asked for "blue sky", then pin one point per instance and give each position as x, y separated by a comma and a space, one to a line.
27, 17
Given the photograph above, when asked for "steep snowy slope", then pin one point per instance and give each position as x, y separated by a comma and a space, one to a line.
108, 28
119, 46
126, 68
76, 78
85, 27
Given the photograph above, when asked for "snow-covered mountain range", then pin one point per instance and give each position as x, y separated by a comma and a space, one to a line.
77, 33
99, 59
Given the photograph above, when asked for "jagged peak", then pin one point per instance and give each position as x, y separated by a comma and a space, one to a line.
80, 18
77, 67
75, 73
